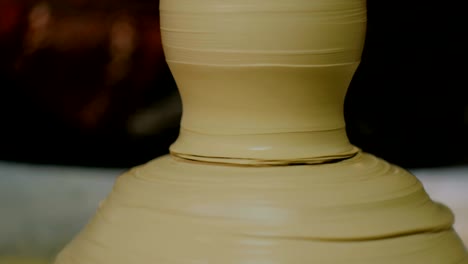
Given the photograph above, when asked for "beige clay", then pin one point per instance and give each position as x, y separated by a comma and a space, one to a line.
263, 171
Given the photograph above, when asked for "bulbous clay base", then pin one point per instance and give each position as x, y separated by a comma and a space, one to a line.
361, 210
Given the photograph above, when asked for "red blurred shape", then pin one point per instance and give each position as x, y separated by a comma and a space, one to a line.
10, 11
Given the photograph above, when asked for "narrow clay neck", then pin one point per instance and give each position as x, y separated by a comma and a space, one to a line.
263, 114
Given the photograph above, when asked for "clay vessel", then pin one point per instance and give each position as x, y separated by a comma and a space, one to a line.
262, 171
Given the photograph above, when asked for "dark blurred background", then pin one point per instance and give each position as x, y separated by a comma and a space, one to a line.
85, 83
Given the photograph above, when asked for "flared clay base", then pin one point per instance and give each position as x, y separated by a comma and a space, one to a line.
361, 210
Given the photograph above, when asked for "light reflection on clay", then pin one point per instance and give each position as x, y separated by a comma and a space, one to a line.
260, 148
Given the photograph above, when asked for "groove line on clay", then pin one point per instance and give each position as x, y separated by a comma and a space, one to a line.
305, 131
413, 232
267, 64
263, 163
267, 52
